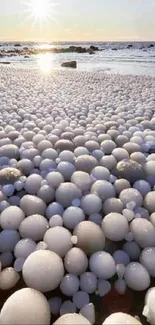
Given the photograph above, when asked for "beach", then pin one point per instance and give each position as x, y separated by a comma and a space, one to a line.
77, 153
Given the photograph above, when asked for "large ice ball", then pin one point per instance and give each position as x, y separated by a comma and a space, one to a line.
8, 240
137, 277
32, 204
11, 218
66, 193
131, 194
121, 318
143, 232
72, 216
103, 189
58, 240
91, 203
43, 270
33, 227
72, 319
90, 237
25, 306
115, 226
147, 259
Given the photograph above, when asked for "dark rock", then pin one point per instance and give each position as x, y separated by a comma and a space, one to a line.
129, 46
7, 62
71, 64
80, 49
72, 48
94, 48
91, 52
151, 45
9, 175
114, 49
130, 170
26, 56
17, 44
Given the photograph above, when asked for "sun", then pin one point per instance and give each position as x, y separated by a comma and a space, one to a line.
40, 9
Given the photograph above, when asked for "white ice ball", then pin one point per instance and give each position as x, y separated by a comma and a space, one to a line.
33, 227
129, 195
147, 259
52, 239
25, 306
11, 218
8, 278
31, 204
72, 216
24, 248
72, 319
69, 284
115, 226
91, 203
88, 282
76, 261
43, 270
88, 311
143, 232
121, 318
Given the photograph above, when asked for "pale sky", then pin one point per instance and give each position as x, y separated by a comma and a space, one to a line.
80, 20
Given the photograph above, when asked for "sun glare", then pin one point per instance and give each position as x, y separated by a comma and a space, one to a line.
45, 63
40, 9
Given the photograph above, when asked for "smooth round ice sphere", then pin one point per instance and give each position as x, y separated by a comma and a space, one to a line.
67, 155
24, 248
143, 213
72, 319
11, 218
132, 249
88, 282
120, 268
143, 232
104, 287
115, 226
150, 168
25, 306
8, 189
49, 153
8, 278
64, 145
33, 227
67, 307
76, 261
108, 146
66, 169
55, 221
31, 204
72, 216
55, 305
54, 179
91, 203
120, 154
147, 259
137, 277
66, 193
8, 240
142, 186
102, 264
46, 193
82, 180
6, 259
33, 183
121, 184
52, 239
4, 205
85, 163
121, 318
152, 219
120, 286
90, 237
88, 311
69, 284
43, 270
108, 162
81, 299
53, 209
121, 257
18, 264
103, 189
100, 173
25, 166
130, 170
14, 200
80, 151
129, 195
149, 201
112, 205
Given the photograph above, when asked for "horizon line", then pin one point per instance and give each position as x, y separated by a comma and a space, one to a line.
78, 41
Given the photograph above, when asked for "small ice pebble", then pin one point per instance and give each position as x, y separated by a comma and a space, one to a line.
55, 305
25, 306
121, 318
80, 299
137, 277
72, 216
8, 278
104, 287
72, 319
67, 307
69, 284
102, 264
121, 257
88, 311
88, 282
120, 286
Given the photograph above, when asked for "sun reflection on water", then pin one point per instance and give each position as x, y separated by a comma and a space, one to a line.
45, 63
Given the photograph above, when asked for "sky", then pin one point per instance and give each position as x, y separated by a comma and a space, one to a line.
78, 20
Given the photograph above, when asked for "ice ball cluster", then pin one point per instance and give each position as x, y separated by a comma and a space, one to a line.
77, 192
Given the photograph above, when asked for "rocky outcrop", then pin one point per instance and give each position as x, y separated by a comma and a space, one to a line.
70, 64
